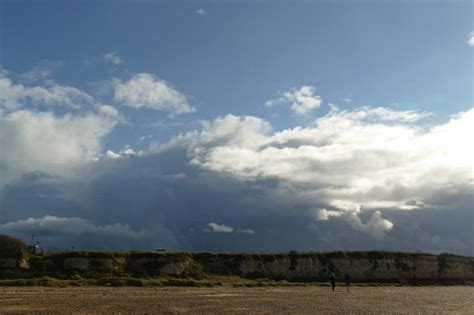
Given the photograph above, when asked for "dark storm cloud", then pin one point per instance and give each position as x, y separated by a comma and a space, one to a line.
355, 179
161, 201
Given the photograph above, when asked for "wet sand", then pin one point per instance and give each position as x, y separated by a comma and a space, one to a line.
230, 300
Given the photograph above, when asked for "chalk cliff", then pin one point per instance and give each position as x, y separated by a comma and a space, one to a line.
363, 266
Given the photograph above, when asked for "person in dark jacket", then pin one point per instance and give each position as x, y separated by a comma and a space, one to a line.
332, 279
347, 280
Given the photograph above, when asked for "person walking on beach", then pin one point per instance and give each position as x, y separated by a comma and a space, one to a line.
347, 280
332, 279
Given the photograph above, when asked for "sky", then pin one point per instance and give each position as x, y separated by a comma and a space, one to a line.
238, 125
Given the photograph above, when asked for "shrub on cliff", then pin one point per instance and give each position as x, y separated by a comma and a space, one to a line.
11, 247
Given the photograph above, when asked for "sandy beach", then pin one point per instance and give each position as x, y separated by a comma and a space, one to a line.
230, 300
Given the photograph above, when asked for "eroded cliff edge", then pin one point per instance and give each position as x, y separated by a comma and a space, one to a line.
305, 267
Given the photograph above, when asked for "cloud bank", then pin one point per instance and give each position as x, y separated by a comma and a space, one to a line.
360, 179
365, 178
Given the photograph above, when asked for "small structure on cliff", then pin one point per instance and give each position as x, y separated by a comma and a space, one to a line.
35, 248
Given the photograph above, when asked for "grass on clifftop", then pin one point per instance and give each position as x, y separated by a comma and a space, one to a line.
235, 255
11, 247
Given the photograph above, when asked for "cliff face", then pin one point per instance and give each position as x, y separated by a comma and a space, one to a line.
363, 266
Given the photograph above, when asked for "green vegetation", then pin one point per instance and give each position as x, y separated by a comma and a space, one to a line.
99, 264
163, 268
11, 247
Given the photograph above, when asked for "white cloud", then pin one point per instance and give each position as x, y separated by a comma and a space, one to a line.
41, 71
34, 138
246, 231
108, 111
219, 228
129, 152
143, 138
112, 155
323, 214
380, 114
74, 226
359, 171
15, 96
124, 153
470, 39
113, 57
201, 11
302, 100
222, 228
369, 158
51, 143
347, 100
145, 90
376, 226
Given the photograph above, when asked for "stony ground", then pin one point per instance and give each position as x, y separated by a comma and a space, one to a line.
229, 300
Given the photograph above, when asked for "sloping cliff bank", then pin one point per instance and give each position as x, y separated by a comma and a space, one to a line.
298, 267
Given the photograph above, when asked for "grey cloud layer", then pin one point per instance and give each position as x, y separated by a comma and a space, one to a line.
355, 179
348, 182
167, 203
348, 159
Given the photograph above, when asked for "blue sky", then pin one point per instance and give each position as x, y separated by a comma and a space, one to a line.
290, 72
241, 53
